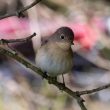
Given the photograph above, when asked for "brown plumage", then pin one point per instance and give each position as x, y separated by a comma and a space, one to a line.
55, 55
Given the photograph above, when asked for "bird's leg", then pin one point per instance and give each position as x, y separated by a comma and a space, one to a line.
54, 79
62, 85
63, 80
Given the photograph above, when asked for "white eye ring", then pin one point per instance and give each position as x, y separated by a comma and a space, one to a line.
62, 36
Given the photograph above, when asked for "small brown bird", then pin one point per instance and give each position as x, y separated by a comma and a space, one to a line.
55, 56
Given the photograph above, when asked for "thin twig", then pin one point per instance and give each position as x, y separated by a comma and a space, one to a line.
5, 41
93, 90
26, 63
19, 13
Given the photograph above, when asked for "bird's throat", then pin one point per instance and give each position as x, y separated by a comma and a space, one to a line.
64, 45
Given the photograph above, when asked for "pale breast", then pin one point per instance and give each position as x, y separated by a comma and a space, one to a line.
54, 62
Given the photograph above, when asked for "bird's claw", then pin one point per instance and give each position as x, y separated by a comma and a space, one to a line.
61, 86
52, 80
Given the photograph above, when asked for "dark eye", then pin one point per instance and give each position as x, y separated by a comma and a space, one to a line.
62, 36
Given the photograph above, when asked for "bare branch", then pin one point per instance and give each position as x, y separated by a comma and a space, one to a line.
5, 41
93, 90
20, 59
19, 13
61, 86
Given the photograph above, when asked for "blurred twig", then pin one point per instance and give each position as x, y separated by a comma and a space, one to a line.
19, 13
5, 41
54, 6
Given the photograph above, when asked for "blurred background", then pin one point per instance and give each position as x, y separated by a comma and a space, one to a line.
90, 21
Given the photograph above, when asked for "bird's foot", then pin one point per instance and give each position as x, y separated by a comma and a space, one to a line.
61, 86
44, 75
63, 80
52, 80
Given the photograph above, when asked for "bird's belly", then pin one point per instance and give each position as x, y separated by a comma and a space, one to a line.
53, 65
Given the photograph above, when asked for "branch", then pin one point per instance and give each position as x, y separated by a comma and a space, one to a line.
26, 63
29, 65
5, 41
19, 13
93, 90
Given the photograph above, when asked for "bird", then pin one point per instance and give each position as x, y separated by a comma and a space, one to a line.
55, 56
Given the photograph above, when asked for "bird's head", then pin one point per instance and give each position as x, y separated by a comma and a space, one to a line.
63, 37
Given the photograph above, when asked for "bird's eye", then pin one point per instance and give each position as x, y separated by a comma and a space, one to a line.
62, 36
